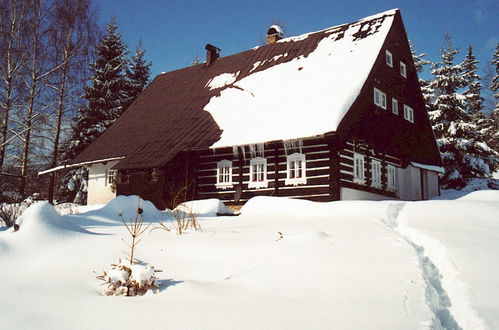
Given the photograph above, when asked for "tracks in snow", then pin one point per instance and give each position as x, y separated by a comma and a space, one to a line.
436, 296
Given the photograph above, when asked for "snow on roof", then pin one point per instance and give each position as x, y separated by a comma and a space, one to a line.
433, 168
306, 96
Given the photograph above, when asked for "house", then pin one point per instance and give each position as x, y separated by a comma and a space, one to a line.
328, 115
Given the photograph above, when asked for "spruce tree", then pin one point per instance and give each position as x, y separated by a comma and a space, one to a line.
465, 155
137, 73
420, 63
106, 97
494, 87
472, 85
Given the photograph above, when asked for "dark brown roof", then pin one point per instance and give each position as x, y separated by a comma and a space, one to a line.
168, 116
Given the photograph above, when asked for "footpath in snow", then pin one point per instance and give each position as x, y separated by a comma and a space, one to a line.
282, 264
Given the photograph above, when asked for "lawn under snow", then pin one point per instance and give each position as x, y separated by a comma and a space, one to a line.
281, 264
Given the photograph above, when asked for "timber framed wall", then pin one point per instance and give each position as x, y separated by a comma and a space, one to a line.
347, 167
318, 169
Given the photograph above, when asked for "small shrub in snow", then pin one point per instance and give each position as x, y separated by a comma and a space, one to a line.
131, 278
67, 208
9, 213
124, 279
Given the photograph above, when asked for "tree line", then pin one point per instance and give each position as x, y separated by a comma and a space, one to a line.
63, 81
464, 113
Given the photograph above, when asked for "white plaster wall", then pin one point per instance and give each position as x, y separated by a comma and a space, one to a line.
98, 192
409, 184
354, 194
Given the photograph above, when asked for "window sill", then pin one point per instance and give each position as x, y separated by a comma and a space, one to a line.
224, 186
258, 184
295, 182
359, 181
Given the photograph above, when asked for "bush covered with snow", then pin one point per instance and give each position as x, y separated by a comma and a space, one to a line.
126, 207
204, 207
124, 279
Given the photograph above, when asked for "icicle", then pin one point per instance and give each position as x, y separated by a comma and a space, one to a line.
244, 152
286, 147
260, 148
292, 146
252, 148
235, 153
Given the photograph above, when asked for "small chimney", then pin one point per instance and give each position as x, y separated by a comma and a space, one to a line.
212, 53
274, 33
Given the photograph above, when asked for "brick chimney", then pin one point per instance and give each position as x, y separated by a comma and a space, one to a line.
212, 53
274, 33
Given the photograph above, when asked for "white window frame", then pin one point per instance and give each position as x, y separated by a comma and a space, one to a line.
391, 177
224, 174
260, 164
408, 113
389, 58
296, 175
376, 173
379, 98
403, 69
111, 176
359, 169
395, 106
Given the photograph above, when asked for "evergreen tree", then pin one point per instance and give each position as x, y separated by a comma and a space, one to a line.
464, 153
472, 86
420, 63
494, 87
106, 96
137, 73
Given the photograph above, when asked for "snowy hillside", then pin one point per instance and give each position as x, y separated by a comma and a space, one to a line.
281, 264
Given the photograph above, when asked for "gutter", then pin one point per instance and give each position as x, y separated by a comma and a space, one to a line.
62, 167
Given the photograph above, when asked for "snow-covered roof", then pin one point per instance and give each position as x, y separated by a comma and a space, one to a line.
307, 95
295, 88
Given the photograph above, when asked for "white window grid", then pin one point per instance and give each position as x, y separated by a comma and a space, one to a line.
111, 177
224, 174
296, 169
395, 106
376, 173
408, 113
389, 59
379, 98
391, 178
358, 169
403, 69
258, 173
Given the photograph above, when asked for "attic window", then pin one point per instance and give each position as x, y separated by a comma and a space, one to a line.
224, 174
403, 69
389, 59
296, 169
408, 113
258, 173
379, 98
395, 106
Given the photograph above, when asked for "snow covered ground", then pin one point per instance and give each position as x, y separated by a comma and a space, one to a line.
281, 264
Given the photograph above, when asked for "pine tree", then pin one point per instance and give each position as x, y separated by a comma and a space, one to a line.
420, 63
107, 95
464, 153
137, 73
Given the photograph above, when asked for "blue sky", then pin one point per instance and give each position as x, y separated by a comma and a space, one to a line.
175, 32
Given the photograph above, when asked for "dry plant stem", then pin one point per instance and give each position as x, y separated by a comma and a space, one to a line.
135, 228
